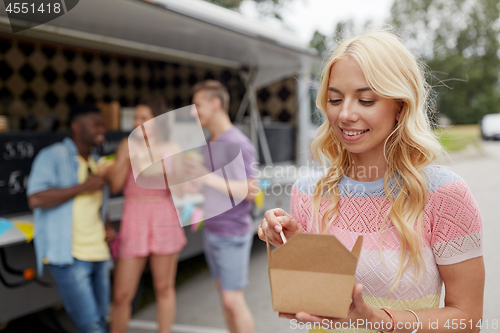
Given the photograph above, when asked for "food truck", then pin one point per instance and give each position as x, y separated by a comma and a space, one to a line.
113, 52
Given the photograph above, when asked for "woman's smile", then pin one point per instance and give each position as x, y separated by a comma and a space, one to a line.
360, 118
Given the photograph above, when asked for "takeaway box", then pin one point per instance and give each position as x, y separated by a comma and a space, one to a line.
313, 273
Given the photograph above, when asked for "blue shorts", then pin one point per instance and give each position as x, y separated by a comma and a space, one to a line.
228, 258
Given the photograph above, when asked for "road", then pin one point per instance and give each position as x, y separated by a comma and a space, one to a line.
482, 174
198, 304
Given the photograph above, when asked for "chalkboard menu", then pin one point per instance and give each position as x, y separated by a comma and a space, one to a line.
17, 152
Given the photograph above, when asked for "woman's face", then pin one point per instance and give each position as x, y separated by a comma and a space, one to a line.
142, 114
360, 118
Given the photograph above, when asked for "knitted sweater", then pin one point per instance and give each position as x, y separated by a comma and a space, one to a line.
452, 232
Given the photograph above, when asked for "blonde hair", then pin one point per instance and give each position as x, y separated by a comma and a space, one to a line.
392, 72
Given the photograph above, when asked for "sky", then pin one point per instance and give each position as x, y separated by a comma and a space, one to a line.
305, 16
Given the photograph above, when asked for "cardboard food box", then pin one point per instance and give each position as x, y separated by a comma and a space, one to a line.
313, 273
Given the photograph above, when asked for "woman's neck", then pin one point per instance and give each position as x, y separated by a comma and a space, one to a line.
367, 168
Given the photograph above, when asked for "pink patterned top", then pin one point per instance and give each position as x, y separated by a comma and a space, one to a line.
131, 189
452, 232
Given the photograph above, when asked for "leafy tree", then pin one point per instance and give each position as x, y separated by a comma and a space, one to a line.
230, 4
318, 42
344, 29
459, 40
324, 44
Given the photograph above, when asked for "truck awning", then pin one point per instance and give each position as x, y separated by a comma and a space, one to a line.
191, 31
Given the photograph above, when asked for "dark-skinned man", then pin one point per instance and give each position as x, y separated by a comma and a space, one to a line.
66, 195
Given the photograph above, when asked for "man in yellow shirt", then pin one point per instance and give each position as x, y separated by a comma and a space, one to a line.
66, 195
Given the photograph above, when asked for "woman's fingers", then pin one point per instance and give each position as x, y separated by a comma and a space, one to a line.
299, 315
272, 236
286, 315
289, 224
308, 317
271, 217
278, 220
260, 233
358, 305
262, 236
357, 295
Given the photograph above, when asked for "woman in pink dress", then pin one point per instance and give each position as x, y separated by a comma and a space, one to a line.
149, 229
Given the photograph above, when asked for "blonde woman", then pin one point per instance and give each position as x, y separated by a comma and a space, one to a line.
421, 225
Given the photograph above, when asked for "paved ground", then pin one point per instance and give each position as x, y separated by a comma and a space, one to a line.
198, 307
482, 174
198, 303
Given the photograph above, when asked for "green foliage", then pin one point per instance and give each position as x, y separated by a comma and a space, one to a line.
318, 42
230, 4
459, 40
343, 29
270, 8
324, 44
456, 138
236, 3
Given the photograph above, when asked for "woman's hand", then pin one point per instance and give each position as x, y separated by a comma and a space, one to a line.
359, 310
110, 232
274, 222
195, 169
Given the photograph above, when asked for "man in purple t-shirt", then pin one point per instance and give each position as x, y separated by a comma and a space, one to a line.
228, 236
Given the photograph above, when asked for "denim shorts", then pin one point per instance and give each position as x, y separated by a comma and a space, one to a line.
228, 258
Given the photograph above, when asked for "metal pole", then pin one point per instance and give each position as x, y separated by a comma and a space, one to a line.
260, 127
257, 133
304, 115
243, 107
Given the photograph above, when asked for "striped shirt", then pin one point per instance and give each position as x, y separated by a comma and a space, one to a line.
452, 233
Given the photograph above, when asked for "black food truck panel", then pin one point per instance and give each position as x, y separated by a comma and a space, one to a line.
17, 152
